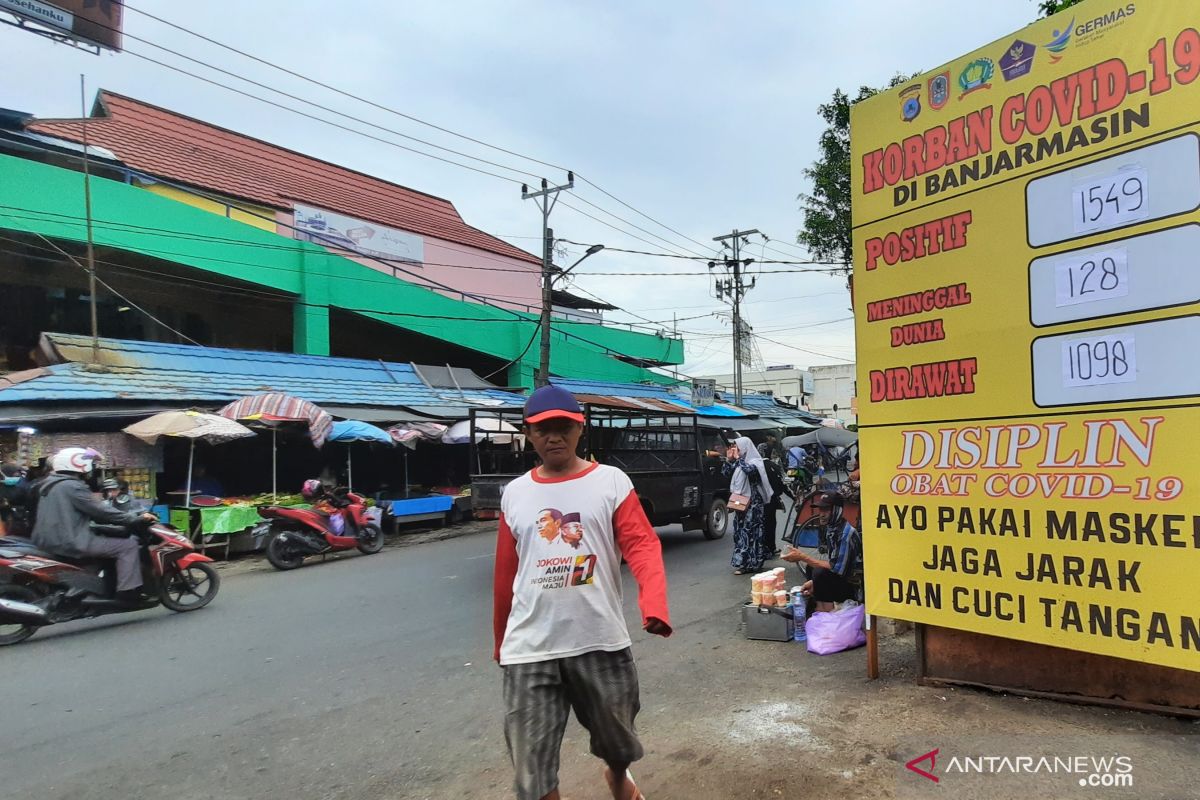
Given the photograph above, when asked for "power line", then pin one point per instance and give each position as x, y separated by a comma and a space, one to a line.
361, 121
409, 117
311, 102
298, 112
517, 316
528, 345
606, 223
647, 216
669, 244
804, 350
220, 199
695, 258
116, 225
127, 301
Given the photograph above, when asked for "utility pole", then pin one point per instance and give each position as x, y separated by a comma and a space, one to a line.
732, 290
547, 198
87, 210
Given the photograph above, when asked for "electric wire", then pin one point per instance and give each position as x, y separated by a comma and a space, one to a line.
309, 79
393, 263
127, 301
348, 129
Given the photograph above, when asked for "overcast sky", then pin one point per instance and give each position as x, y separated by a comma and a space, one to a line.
700, 114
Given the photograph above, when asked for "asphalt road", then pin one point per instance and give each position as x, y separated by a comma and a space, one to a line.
366, 676
371, 677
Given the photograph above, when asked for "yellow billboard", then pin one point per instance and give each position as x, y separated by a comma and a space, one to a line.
1027, 312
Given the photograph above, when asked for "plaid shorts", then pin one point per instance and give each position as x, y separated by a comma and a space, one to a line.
602, 687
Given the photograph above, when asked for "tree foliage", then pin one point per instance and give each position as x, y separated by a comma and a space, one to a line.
1048, 7
827, 229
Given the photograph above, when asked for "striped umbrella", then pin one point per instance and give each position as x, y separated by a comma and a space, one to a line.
277, 407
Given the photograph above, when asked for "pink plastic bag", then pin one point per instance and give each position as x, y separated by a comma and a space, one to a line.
835, 631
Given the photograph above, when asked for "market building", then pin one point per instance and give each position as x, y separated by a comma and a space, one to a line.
209, 236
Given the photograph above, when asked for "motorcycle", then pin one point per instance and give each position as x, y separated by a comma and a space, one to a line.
38, 589
339, 521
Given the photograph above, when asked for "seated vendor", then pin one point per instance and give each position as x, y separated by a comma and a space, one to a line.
203, 484
840, 578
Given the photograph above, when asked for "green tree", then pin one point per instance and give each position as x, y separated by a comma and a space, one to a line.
1048, 7
827, 230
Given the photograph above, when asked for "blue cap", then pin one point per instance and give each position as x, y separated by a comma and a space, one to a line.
551, 402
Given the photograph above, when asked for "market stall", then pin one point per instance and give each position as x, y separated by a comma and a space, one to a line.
350, 431
273, 409
194, 426
218, 526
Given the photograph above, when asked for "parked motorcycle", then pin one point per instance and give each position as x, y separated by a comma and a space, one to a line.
338, 521
39, 589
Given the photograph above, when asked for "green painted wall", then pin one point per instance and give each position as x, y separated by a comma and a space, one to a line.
41, 199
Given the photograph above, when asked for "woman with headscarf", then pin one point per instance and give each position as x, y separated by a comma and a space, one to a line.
750, 479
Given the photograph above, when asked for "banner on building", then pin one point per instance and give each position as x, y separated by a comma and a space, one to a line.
330, 229
1027, 306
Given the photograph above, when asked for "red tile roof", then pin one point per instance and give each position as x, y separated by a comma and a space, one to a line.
171, 146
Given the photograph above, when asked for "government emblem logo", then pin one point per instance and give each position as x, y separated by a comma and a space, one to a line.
1018, 60
910, 103
975, 76
939, 90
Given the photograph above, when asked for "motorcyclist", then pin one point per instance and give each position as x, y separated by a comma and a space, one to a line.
14, 489
116, 494
65, 509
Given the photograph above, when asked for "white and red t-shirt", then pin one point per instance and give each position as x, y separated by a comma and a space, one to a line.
558, 565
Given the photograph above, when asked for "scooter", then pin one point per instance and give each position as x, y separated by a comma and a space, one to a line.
39, 589
297, 533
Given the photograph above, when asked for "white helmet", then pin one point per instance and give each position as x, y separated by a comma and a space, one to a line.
75, 459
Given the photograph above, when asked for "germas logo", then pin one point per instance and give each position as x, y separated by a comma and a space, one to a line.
1085, 29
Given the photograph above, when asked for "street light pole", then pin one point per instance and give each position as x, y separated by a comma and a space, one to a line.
546, 199
547, 300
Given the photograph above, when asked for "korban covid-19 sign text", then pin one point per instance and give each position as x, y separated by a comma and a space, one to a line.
1027, 302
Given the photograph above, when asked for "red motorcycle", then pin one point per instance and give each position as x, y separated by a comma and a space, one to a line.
337, 521
39, 589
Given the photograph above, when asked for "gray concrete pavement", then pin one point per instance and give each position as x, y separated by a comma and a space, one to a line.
371, 673
371, 678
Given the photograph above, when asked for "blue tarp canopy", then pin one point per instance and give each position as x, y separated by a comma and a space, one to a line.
353, 430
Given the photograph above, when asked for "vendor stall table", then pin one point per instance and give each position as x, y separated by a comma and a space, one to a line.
213, 527
417, 509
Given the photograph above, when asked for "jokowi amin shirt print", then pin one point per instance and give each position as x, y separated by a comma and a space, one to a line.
567, 591
567, 570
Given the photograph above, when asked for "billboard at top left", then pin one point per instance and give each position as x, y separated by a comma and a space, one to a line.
94, 22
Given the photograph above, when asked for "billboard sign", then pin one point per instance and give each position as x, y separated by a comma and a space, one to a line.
95, 22
704, 392
1026, 300
330, 229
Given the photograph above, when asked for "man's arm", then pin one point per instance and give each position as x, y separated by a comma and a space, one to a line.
799, 556
84, 502
502, 587
849, 545
642, 550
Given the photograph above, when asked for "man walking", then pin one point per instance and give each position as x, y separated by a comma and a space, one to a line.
560, 633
